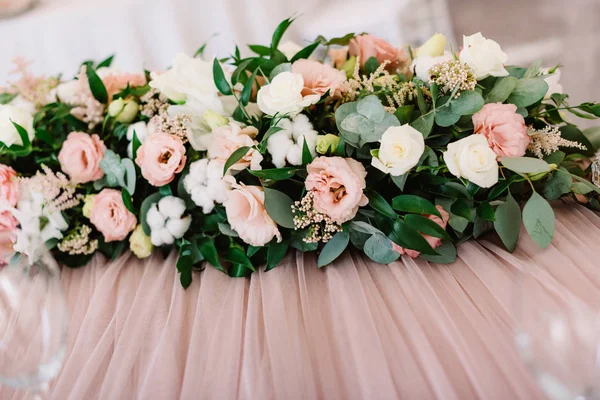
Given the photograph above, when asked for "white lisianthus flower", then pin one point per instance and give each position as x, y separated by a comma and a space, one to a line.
287, 144
484, 56
166, 220
206, 185
473, 159
141, 131
289, 48
283, 96
8, 133
553, 81
400, 150
422, 64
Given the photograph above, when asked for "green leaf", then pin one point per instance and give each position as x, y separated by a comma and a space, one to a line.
462, 209
207, 248
6, 98
279, 207
96, 85
219, 78
165, 190
508, 222
247, 90
259, 49
333, 248
235, 157
528, 91
403, 114
445, 116
409, 238
279, 31
593, 136
447, 254
285, 67
414, 204
468, 103
135, 145
226, 229
275, 253
363, 227
276, 174
421, 99
558, 184
106, 62
533, 70
379, 204
146, 204
236, 255
538, 219
555, 158
371, 65
305, 52
338, 41
371, 108
502, 90
485, 212
184, 265
400, 181
130, 175
424, 124
426, 226
571, 132
379, 249
45, 137
127, 200
23, 135
525, 165
306, 156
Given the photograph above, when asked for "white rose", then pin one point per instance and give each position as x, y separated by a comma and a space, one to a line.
206, 185
553, 81
473, 159
484, 56
287, 144
289, 48
283, 96
8, 132
400, 150
166, 220
433, 47
422, 64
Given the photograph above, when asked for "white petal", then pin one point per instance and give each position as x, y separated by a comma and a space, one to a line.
171, 207
155, 218
178, 227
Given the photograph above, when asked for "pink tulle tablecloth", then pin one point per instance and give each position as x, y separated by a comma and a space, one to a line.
353, 330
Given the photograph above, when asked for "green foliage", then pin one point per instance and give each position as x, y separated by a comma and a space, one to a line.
363, 121
528, 91
379, 249
96, 85
279, 207
219, 78
538, 219
508, 222
333, 248
414, 204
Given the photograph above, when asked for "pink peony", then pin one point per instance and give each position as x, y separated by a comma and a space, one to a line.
110, 216
226, 139
319, 78
433, 241
160, 158
503, 128
367, 46
338, 56
80, 157
9, 186
337, 185
246, 213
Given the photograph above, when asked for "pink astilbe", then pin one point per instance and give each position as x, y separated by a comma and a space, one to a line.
36, 89
57, 189
87, 109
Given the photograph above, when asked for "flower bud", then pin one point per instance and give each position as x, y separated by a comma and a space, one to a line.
123, 111
327, 144
140, 243
211, 120
348, 66
433, 47
88, 204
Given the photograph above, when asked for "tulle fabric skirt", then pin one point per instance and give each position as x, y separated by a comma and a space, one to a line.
352, 330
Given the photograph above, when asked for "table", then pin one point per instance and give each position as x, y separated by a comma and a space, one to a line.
352, 330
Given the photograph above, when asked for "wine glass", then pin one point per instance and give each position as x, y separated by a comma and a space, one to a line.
558, 335
33, 322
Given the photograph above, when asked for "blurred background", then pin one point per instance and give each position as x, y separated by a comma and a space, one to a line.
58, 34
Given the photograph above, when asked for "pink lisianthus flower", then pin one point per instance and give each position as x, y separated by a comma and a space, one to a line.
80, 157
110, 216
319, 78
160, 157
433, 241
503, 128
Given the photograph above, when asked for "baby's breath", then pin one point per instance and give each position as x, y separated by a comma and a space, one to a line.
451, 75
320, 227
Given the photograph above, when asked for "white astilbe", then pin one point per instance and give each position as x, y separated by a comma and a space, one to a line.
286, 145
206, 185
548, 140
166, 220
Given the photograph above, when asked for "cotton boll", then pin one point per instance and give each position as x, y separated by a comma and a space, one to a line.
278, 145
155, 218
171, 207
178, 227
206, 185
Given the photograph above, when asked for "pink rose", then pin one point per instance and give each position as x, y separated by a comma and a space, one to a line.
367, 46
433, 241
80, 157
160, 158
337, 185
110, 216
338, 56
226, 139
9, 186
246, 213
503, 128
319, 78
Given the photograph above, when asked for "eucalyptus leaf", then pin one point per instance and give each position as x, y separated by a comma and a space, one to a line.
424, 124
333, 248
379, 249
558, 184
468, 103
446, 254
279, 207
130, 175
538, 219
528, 91
508, 222
502, 90
114, 170
285, 67
371, 108
525, 165
400, 181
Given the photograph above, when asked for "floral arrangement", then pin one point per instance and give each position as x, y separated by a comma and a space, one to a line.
347, 141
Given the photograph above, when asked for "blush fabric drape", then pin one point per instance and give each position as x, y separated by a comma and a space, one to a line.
352, 330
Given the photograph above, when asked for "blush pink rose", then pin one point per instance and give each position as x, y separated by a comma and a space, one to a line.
226, 139
433, 241
160, 158
80, 157
9, 186
503, 128
246, 213
319, 78
337, 186
367, 46
110, 216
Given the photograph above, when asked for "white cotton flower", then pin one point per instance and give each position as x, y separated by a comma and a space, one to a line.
553, 81
166, 220
283, 96
287, 144
206, 185
423, 63
141, 131
473, 159
484, 56
8, 132
400, 150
